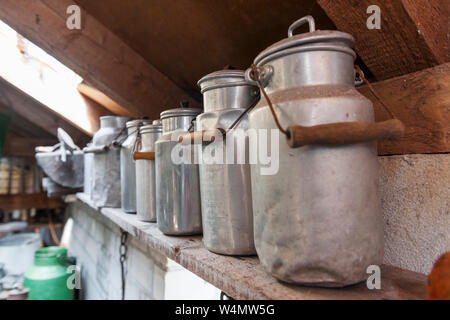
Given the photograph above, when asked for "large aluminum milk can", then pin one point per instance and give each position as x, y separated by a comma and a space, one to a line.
178, 208
127, 166
145, 171
317, 219
225, 184
105, 188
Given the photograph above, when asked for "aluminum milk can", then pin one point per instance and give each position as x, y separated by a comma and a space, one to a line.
178, 208
317, 219
225, 184
88, 171
145, 171
127, 166
105, 190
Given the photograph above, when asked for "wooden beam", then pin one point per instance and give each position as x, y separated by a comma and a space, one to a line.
95, 53
24, 147
35, 112
422, 101
103, 100
413, 34
29, 201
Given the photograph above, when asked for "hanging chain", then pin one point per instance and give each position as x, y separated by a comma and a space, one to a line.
359, 77
123, 257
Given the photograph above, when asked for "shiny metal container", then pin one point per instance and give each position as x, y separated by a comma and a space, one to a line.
227, 215
106, 163
317, 220
178, 207
145, 172
88, 171
127, 166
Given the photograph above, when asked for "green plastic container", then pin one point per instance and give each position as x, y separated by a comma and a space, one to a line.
47, 279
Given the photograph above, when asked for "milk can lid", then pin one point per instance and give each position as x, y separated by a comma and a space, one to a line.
138, 122
338, 39
223, 78
180, 112
150, 128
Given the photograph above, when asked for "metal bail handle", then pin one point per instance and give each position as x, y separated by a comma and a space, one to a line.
201, 137
300, 22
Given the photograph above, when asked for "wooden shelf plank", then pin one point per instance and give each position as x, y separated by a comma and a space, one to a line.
244, 277
29, 201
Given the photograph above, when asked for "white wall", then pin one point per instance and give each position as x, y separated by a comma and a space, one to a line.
95, 242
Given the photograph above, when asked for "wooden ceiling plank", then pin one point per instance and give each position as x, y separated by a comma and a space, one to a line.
96, 54
103, 100
412, 37
422, 101
38, 114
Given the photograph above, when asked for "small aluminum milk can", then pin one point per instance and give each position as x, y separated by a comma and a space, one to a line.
145, 171
225, 183
105, 190
178, 208
127, 166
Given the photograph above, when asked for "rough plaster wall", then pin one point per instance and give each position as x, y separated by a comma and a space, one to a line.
95, 241
415, 193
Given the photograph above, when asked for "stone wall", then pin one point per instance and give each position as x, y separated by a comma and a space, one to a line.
415, 193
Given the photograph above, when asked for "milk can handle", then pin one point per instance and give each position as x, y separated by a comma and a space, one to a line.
96, 149
342, 133
201, 137
137, 155
300, 22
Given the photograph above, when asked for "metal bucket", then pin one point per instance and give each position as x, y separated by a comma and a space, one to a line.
127, 166
317, 221
178, 208
225, 186
145, 172
106, 168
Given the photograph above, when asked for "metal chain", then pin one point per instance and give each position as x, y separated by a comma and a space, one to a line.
123, 257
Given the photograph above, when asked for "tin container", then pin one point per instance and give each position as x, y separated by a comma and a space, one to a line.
145, 172
127, 166
178, 207
317, 219
106, 163
225, 184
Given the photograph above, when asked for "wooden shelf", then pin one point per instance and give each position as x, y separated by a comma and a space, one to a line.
244, 277
29, 201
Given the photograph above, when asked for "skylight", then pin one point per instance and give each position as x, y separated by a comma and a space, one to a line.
41, 76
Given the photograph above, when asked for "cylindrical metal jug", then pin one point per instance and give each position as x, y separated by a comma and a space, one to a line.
178, 207
127, 167
145, 172
317, 219
225, 184
105, 187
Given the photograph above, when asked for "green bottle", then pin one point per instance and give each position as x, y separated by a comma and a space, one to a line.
47, 279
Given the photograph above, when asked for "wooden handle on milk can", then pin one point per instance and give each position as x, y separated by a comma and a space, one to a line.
201, 137
137, 155
342, 133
